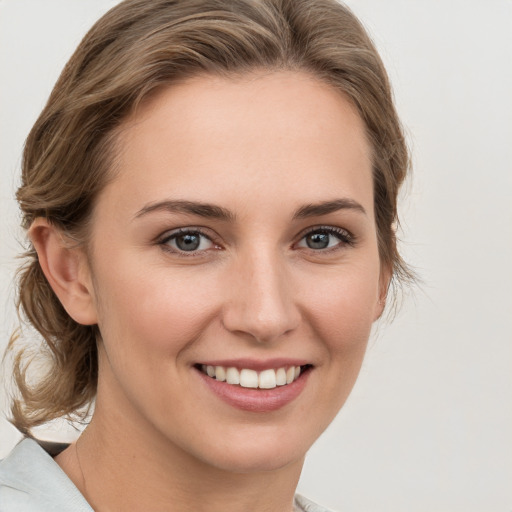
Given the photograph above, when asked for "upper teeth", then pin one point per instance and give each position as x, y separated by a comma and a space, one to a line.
266, 379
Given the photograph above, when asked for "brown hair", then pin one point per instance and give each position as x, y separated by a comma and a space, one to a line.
137, 47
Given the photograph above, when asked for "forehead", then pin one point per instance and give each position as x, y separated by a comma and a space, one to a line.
254, 134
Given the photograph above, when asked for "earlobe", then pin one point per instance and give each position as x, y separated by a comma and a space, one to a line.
66, 269
379, 309
384, 284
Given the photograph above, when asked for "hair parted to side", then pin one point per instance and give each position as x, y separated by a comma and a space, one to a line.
134, 49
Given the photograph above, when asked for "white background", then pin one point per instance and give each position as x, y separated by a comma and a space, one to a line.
429, 424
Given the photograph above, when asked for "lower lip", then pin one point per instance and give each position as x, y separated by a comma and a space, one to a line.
256, 400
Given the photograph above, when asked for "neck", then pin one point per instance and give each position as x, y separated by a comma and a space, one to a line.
117, 468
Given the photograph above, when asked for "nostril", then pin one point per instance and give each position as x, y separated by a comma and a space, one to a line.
263, 328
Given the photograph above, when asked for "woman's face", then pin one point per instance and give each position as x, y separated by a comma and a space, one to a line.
237, 239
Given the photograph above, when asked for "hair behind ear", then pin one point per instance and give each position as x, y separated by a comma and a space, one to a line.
70, 380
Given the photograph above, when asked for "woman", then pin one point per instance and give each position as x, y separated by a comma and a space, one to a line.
210, 195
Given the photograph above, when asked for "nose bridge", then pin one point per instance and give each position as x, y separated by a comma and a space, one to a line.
261, 301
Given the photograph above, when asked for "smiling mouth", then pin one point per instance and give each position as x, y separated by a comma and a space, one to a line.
248, 378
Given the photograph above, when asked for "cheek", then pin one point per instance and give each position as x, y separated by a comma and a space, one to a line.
154, 309
342, 307
342, 313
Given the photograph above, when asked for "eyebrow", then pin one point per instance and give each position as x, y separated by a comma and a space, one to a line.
326, 207
191, 207
208, 210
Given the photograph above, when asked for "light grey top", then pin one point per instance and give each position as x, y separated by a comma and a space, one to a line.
31, 481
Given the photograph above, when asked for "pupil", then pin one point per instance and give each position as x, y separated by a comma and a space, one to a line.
318, 240
188, 242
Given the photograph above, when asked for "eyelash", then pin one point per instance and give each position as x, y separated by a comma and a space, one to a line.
164, 241
345, 238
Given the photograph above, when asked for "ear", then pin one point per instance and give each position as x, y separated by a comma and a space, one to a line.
67, 270
384, 282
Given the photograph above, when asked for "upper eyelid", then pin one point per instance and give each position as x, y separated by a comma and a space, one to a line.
185, 230
325, 227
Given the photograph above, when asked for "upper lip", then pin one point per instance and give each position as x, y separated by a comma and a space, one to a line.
256, 364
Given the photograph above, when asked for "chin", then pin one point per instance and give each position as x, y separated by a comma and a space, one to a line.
258, 461
258, 450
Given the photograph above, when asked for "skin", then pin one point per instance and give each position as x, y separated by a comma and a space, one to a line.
262, 147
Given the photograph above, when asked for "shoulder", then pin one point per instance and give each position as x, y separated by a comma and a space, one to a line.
304, 505
30, 480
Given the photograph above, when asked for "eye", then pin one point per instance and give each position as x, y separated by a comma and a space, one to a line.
187, 241
326, 238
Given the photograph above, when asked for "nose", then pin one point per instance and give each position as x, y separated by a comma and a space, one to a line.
260, 302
